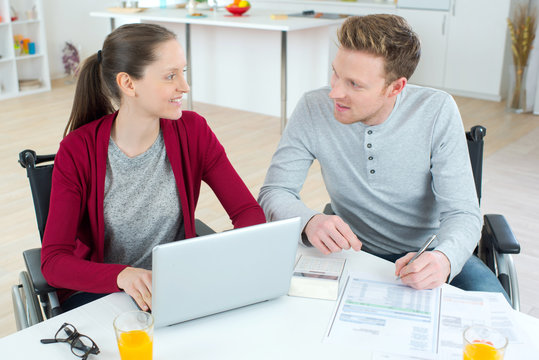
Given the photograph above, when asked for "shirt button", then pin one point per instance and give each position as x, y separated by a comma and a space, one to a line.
370, 158
369, 145
372, 171
369, 132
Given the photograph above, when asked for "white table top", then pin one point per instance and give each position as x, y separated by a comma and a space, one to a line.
253, 19
284, 328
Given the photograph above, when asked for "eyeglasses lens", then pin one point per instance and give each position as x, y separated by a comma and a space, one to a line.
82, 346
65, 332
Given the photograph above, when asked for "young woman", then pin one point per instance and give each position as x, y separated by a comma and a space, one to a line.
127, 180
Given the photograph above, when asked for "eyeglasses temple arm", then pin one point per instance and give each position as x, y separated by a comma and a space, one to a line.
94, 349
48, 341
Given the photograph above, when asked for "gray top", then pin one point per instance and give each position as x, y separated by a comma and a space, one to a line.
395, 183
141, 207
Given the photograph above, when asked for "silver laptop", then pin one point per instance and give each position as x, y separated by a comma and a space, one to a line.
214, 273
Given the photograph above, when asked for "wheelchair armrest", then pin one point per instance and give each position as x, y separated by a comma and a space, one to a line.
32, 258
497, 230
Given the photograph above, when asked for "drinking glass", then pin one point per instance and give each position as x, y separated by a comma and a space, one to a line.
134, 334
483, 343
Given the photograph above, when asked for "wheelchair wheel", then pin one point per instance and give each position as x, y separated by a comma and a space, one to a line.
25, 303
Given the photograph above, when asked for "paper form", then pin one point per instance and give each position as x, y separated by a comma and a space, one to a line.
461, 309
387, 318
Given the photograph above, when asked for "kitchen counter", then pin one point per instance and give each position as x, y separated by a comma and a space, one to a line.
371, 4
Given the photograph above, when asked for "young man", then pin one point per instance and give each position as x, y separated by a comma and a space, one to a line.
394, 160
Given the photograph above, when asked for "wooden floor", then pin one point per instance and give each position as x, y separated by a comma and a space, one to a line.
511, 175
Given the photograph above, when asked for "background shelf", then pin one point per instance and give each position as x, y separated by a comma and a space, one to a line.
14, 67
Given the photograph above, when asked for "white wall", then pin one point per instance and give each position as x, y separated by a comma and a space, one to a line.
532, 79
533, 70
68, 20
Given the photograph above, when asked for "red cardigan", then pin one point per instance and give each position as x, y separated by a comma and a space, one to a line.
73, 243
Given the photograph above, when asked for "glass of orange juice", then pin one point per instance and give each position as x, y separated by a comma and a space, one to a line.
483, 343
134, 334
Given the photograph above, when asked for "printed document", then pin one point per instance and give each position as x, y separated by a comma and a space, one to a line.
386, 317
461, 309
396, 322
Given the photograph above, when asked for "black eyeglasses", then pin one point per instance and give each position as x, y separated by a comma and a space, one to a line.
81, 345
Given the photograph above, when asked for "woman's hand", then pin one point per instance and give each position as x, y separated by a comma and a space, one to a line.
137, 283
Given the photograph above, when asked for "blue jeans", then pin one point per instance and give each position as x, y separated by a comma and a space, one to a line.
474, 276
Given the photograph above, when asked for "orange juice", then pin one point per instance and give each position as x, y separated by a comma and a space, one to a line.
135, 345
481, 351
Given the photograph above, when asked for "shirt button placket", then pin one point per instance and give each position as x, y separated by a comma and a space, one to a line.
370, 157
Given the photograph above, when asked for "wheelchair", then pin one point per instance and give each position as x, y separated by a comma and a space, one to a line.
497, 243
33, 298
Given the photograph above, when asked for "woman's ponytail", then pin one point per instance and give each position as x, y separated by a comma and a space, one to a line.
91, 101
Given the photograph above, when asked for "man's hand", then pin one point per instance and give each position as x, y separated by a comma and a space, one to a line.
329, 233
431, 269
137, 283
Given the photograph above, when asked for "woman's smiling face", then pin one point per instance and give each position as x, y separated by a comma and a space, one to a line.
159, 92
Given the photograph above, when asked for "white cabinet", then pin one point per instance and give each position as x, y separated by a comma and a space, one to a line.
431, 27
464, 43
476, 48
22, 73
463, 47
424, 4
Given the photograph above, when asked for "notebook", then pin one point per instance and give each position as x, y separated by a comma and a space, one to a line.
206, 275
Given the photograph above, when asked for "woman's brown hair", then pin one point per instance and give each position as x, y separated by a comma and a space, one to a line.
387, 36
129, 48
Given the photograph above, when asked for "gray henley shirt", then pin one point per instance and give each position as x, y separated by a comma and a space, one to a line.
395, 183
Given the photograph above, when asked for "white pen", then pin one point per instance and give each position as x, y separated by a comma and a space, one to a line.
420, 251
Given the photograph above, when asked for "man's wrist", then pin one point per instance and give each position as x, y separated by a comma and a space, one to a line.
444, 256
304, 237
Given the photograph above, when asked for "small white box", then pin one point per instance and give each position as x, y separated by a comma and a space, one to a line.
317, 277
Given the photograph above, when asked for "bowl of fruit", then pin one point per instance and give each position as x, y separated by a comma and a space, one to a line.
238, 7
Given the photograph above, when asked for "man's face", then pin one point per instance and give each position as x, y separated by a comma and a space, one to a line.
358, 88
